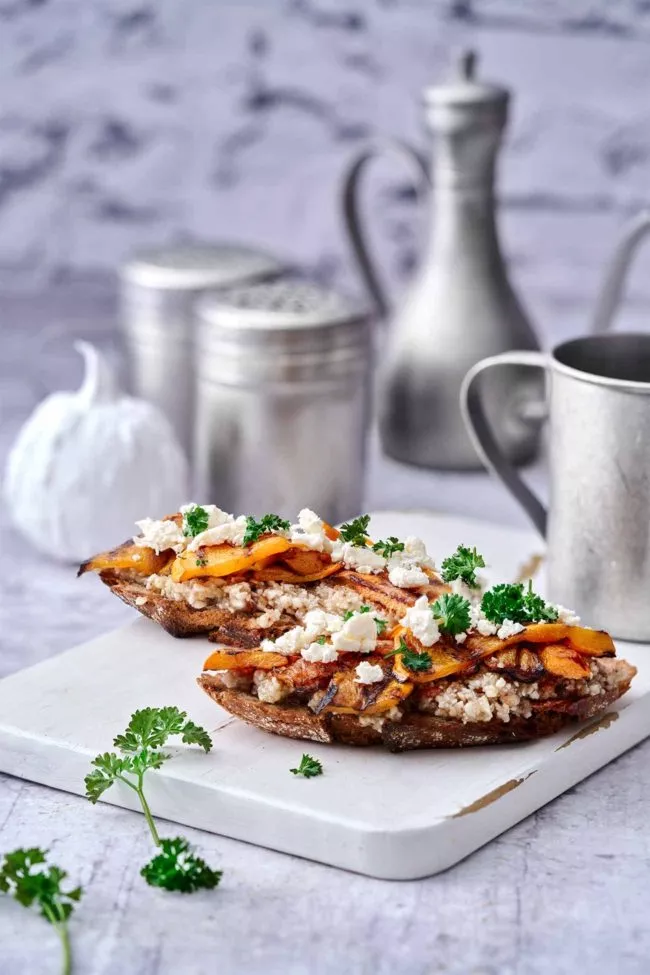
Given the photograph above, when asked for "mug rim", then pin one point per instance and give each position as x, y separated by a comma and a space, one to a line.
632, 385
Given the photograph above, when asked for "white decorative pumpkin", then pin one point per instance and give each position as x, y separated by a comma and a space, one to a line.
87, 464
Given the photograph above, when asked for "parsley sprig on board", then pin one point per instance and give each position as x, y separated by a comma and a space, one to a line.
511, 601
26, 876
267, 523
195, 521
309, 767
463, 565
356, 532
147, 732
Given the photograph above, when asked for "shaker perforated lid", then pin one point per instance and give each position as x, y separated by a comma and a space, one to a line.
465, 90
287, 305
194, 267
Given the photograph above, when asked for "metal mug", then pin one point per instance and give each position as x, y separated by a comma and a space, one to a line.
598, 523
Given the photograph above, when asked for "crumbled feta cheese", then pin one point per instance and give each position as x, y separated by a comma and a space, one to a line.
486, 627
319, 653
509, 628
368, 673
319, 623
271, 690
420, 621
415, 551
159, 535
310, 532
407, 576
358, 557
567, 616
290, 642
357, 635
460, 637
231, 531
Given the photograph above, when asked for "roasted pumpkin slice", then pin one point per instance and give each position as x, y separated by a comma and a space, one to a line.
483, 646
563, 661
305, 562
594, 643
144, 561
275, 573
241, 660
441, 664
226, 560
393, 694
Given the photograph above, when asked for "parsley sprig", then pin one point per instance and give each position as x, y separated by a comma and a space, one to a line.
177, 868
511, 601
195, 521
147, 732
379, 623
463, 565
309, 767
388, 546
356, 532
413, 659
26, 876
452, 613
267, 523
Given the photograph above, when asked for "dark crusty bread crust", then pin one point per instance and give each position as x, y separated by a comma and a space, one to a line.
415, 730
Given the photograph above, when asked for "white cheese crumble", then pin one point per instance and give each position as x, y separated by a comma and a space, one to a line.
357, 635
567, 616
368, 673
407, 576
159, 535
359, 557
271, 690
229, 531
310, 532
509, 628
420, 621
319, 653
486, 627
416, 551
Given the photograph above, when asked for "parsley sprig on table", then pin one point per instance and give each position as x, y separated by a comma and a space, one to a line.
267, 523
140, 744
463, 565
176, 867
356, 532
452, 613
309, 767
26, 876
511, 601
379, 623
195, 521
388, 546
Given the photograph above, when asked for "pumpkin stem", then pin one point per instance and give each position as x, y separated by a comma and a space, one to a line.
99, 384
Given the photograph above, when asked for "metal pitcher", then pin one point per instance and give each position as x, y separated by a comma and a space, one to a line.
598, 523
460, 307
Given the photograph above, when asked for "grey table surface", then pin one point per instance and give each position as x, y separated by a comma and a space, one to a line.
564, 891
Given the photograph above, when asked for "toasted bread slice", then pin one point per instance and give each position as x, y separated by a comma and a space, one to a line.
414, 730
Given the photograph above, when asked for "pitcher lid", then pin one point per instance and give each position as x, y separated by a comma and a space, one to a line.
196, 266
464, 89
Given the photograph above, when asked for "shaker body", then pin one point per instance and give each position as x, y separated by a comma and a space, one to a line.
283, 447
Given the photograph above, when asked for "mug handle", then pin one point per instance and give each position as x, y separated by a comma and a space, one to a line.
482, 434
351, 215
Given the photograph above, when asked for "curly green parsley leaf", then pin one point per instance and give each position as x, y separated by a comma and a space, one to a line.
266, 524
415, 661
463, 565
388, 546
356, 532
26, 876
178, 868
308, 768
510, 601
195, 521
452, 613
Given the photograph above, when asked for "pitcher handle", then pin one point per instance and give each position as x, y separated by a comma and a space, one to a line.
610, 295
351, 215
482, 434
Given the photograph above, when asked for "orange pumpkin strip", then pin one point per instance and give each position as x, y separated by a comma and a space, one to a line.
563, 661
241, 660
226, 560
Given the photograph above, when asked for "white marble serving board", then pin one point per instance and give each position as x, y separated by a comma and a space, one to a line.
391, 816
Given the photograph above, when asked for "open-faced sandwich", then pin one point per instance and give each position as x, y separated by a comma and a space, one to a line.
244, 580
463, 667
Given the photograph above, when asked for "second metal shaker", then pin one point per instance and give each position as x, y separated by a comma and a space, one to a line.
284, 374
159, 288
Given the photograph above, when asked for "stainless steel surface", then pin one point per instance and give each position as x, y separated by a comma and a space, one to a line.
158, 291
460, 307
284, 374
612, 290
598, 523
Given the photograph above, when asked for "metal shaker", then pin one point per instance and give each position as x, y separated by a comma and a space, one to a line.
283, 373
158, 290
